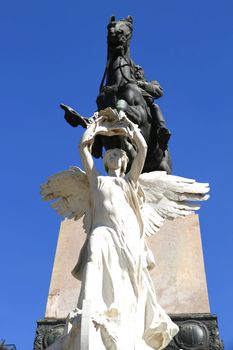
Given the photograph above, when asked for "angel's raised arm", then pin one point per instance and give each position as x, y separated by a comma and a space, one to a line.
141, 148
85, 152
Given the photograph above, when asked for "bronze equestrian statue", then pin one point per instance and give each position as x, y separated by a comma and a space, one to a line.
126, 88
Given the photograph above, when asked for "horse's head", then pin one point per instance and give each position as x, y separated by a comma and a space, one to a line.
119, 34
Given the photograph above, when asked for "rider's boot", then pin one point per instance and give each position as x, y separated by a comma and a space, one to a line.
163, 132
164, 135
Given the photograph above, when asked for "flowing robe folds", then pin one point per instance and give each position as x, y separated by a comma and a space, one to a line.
114, 273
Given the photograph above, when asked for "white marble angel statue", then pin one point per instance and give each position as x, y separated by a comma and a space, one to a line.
119, 211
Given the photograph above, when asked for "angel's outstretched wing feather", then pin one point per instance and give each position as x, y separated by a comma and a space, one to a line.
70, 191
168, 197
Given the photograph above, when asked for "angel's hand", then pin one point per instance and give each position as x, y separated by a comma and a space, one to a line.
95, 127
128, 125
121, 126
89, 135
123, 117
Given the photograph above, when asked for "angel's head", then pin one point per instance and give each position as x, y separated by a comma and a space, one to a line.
115, 159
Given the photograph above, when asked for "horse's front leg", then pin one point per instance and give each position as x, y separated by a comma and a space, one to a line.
110, 89
105, 100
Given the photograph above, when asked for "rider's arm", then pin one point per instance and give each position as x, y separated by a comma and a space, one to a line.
152, 87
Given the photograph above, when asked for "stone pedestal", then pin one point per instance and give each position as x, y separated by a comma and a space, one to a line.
64, 288
179, 279
179, 275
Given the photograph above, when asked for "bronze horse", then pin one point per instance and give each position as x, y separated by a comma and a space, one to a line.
122, 91
122, 85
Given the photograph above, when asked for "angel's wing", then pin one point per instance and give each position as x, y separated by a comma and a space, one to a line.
70, 190
168, 197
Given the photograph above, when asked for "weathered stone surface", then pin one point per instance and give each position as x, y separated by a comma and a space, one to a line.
64, 288
178, 276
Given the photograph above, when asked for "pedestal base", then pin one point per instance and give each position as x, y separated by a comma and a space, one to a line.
197, 332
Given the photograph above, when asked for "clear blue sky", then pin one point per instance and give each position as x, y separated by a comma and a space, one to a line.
55, 51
